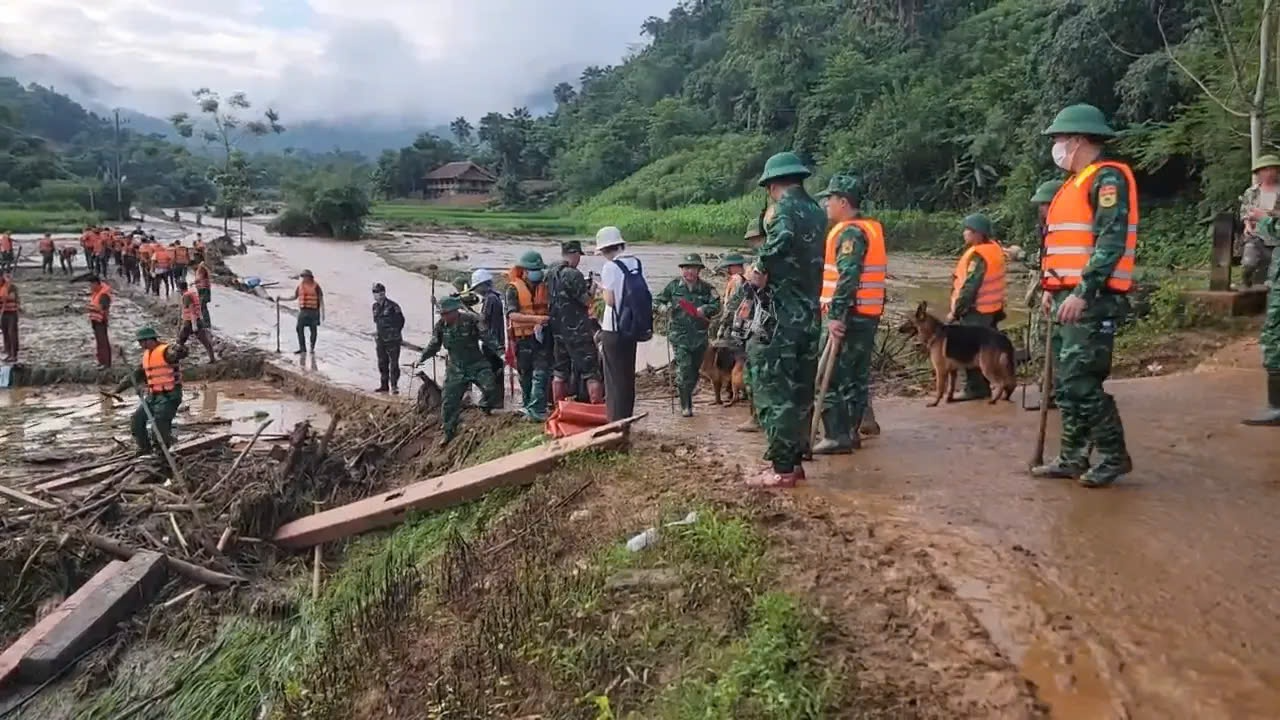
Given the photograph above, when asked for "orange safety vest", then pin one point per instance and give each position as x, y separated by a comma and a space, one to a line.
8, 300
309, 295
102, 244
46, 245
181, 256
1069, 242
191, 308
86, 240
202, 277
532, 302
145, 251
163, 258
6, 243
731, 285
869, 298
992, 291
97, 310
161, 376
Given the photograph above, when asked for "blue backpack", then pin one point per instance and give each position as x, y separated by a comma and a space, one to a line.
634, 313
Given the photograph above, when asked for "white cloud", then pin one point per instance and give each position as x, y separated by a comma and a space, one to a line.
330, 59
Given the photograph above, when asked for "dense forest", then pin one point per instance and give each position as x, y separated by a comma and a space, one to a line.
938, 104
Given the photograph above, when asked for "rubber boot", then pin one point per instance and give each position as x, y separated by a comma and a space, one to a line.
1271, 416
559, 390
595, 392
868, 425
535, 407
686, 403
752, 425
1115, 460
835, 440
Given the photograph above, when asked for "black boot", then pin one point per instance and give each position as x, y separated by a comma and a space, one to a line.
1271, 416
686, 403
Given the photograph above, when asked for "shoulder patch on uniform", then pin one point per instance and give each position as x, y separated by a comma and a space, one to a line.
846, 247
1108, 195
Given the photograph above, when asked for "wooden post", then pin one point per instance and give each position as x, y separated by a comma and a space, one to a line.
1224, 235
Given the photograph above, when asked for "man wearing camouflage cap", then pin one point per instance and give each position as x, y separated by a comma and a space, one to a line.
462, 333
1258, 202
575, 351
855, 266
978, 291
691, 303
784, 357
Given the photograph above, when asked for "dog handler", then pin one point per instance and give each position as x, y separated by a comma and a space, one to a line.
978, 290
1088, 268
853, 294
691, 302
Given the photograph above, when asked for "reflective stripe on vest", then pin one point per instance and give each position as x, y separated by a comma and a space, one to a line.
181, 256
161, 376
97, 311
309, 295
869, 297
191, 309
991, 292
162, 258
532, 302
1069, 242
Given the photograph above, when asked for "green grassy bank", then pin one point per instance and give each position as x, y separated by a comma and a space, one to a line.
37, 220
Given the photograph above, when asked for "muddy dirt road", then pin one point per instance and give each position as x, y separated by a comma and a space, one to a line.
1157, 598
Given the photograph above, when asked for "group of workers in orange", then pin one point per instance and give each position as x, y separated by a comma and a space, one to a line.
138, 259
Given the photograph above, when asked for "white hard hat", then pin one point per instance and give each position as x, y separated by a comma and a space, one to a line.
608, 237
481, 276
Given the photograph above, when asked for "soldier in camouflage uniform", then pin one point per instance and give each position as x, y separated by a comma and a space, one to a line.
1259, 201
528, 314
463, 334
571, 326
692, 303
1088, 271
739, 307
1036, 324
968, 306
784, 356
1269, 229
854, 305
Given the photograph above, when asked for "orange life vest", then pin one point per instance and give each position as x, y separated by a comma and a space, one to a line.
46, 245
732, 284
532, 302
202, 277
6, 243
191, 308
161, 376
869, 297
86, 240
145, 251
1069, 242
8, 298
309, 295
992, 291
102, 243
97, 309
181, 255
163, 258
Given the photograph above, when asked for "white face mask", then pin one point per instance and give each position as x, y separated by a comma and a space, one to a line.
1060, 153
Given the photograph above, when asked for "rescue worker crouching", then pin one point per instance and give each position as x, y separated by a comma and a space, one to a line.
462, 334
978, 292
528, 308
160, 374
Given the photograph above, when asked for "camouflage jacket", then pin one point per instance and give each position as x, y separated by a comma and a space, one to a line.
685, 330
1252, 200
792, 256
569, 295
463, 339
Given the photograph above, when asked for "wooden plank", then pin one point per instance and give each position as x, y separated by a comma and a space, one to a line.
104, 471
13, 655
24, 499
467, 484
121, 594
1223, 238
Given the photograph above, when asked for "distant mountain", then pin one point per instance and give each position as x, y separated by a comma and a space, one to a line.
369, 136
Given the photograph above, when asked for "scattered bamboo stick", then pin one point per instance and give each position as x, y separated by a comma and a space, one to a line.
225, 539
236, 465
177, 532
181, 567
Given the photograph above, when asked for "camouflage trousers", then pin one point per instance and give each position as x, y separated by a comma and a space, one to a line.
782, 379
533, 365
688, 359
1255, 261
575, 352
1083, 363
975, 383
459, 376
1271, 325
849, 387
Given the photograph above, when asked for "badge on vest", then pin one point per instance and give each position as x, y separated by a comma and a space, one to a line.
1108, 195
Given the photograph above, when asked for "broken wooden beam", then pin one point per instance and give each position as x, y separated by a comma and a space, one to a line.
181, 567
467, 484
126, 589
13, 655
101, 471
22, 498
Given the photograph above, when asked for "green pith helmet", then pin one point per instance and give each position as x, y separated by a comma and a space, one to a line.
845, 185
1082, 119
147, 333
1266, 161
531, 260
571, 246
754, 230
692, 260
450, 303
732, 259
979, 223
784, 164
1045, 192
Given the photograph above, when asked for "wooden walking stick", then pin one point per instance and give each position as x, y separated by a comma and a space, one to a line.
826, 364
432, 268
1046, 390
277, 326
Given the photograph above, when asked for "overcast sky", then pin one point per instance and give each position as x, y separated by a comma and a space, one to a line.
312, 59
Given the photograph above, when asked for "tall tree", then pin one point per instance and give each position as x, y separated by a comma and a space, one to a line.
461, 130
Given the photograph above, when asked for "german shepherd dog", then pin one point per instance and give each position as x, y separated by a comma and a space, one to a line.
953, 348
724, 368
